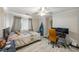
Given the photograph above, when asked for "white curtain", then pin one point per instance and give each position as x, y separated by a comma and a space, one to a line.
43, 20
9, 21
5, 22
16, 24
24, 24
30, 24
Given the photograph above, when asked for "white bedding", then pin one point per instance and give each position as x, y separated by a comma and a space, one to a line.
25, 38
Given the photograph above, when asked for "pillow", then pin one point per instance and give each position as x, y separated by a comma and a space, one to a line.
12, 37
17, 32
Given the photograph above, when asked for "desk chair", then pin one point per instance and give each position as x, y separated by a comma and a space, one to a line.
52, 36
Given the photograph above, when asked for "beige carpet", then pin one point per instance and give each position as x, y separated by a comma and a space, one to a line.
43, 46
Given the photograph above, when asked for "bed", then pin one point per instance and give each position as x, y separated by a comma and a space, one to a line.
24, 38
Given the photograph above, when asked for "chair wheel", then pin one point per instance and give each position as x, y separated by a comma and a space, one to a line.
52, 46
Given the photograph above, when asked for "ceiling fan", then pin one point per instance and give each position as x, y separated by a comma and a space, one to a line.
43, 11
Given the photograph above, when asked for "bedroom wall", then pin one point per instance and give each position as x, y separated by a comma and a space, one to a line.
68, 19
5, 20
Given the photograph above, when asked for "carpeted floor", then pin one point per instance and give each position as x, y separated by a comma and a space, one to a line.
43, 46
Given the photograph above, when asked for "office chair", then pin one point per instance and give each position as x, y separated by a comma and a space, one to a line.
52, 36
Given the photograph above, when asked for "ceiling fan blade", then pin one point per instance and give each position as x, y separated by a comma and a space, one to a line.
37, 11
27, 14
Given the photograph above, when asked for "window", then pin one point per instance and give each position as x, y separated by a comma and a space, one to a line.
24, 24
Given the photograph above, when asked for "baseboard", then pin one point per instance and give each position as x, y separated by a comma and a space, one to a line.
74, 46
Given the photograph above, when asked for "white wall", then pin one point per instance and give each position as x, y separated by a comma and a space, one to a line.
68, 19
6, 20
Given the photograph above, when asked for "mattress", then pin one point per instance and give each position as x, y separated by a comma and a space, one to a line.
25, 38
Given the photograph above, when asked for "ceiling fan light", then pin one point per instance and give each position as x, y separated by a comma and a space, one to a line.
43, 11
42, 14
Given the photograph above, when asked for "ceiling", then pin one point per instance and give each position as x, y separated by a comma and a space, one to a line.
31, 10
